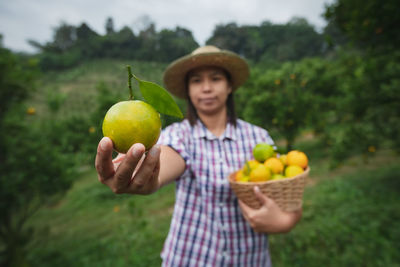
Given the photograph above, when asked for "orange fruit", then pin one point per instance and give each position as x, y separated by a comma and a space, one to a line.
297, 158
293, 170
260, 174
130, 122
274, 164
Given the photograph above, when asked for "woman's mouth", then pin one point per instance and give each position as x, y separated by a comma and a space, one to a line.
207, 100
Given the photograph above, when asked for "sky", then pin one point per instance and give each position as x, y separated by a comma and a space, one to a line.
22, 20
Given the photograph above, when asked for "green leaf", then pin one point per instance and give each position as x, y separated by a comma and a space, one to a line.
159, 98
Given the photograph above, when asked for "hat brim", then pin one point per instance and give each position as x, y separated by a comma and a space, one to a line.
174, 75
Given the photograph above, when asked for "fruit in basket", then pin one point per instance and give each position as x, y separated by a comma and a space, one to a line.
277, 177
262, 152
241, 177
293, 170
297, 158
269, 165
275, 165
261, 173
249, 166
283, 159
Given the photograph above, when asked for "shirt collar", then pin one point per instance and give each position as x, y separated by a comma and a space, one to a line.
201, 131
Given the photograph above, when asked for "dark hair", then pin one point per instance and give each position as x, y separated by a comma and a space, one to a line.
191, 113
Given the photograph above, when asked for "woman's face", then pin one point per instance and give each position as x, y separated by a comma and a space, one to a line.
208, 89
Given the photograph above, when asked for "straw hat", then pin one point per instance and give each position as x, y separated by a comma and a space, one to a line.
174, 75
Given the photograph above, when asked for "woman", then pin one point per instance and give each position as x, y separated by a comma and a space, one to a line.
209, 227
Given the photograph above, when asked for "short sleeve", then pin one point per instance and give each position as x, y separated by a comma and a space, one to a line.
176, 136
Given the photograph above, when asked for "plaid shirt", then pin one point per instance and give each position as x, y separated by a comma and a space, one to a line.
207, 227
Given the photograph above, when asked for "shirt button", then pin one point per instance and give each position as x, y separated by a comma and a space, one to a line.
221, 204
221, 160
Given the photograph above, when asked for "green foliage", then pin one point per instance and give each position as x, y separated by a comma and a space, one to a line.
158, 97
369, 24
270, 42
290, 98
367, 113
349, 221
73, 45
33, 170
15, 81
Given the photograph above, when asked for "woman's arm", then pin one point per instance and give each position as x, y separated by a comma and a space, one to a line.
269, 218
134, 172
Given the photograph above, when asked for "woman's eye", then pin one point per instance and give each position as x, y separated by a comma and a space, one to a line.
195, 80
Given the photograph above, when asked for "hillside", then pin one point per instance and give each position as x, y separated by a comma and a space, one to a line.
77, 87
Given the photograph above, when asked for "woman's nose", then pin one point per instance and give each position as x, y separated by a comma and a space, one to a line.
207, 85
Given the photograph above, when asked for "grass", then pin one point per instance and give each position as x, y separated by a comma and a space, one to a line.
91, 226
351, 220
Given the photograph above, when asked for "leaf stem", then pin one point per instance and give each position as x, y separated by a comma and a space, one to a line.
130, 81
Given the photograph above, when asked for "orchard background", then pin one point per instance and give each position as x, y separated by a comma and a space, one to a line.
333, 94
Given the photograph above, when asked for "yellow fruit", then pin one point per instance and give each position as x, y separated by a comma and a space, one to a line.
260, 174
31, 111
298, 158
130, 122
283, 159
274, 164
263, 151
240, 177
293, 170
251, 165
277, 177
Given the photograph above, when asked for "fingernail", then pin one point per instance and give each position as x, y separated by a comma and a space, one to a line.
103, 143
257, 189
135, 151
154, 151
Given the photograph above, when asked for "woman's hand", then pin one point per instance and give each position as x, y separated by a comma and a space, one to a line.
269, 218
131, 173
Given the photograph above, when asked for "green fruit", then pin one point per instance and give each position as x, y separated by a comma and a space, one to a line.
263, 151
130, 122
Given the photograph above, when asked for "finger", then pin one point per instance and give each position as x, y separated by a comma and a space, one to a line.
103, 162
245, 210
148, 169
117, 160
260, 196
125, 170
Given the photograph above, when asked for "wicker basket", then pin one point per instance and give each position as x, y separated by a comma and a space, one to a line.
287, 193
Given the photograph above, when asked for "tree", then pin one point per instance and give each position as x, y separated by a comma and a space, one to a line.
368, 112
270, 42
174, 44
109, 26
32, 170
64, 37
369, 24
85, 33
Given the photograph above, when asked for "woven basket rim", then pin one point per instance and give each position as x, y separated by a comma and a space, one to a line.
232, 181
